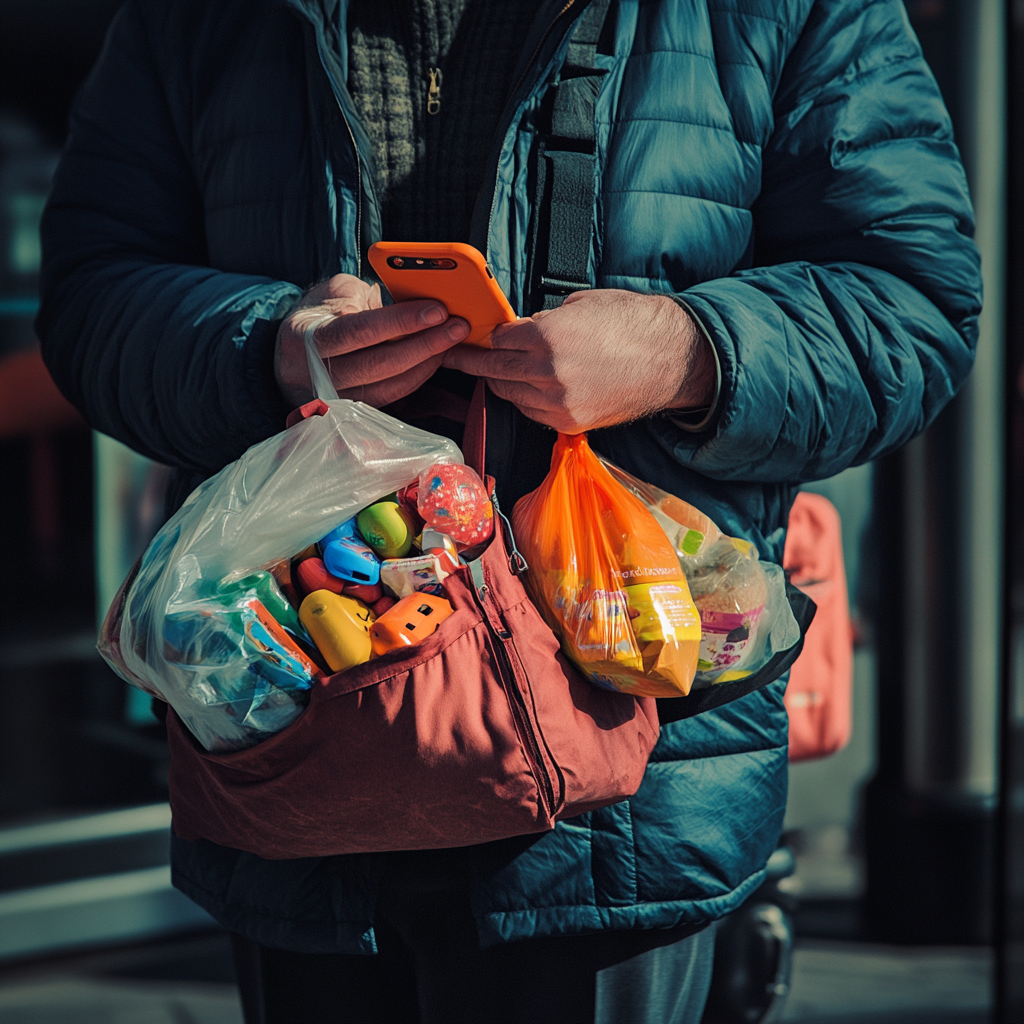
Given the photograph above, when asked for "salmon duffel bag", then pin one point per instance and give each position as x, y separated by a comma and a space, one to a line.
481, 731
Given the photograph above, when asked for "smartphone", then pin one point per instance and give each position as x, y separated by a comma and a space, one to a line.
451, 272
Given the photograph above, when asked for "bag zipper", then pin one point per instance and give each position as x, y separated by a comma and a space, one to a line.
517, 564
500, 638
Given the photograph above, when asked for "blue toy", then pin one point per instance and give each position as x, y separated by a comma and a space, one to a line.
347, 556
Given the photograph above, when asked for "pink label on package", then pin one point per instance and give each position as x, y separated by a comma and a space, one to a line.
725, 638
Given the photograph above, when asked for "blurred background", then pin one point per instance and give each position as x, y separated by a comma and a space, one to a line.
907, 897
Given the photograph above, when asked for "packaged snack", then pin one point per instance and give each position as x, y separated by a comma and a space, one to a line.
409, 622
745, 614
606, 578
452, 499
230, 649
422, 573
267, 590
730, 590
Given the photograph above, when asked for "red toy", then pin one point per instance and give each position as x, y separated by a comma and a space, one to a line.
312, 575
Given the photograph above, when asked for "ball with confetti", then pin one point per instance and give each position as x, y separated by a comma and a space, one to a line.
453, 499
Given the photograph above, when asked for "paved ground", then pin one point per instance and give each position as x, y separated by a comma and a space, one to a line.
857, 983
833, 983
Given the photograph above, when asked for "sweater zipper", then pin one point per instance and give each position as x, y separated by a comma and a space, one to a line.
434, 92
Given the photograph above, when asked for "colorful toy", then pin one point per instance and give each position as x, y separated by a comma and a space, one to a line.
267, 591
381, 606
404, 576
364, 592
433, 542
339, 627
387, 528
346, 555
452, 499
411, 621
233, 641
312, 575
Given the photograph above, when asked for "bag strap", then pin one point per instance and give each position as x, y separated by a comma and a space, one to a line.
474, 437
565, 188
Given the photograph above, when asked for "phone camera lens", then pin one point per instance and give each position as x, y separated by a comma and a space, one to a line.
397, 262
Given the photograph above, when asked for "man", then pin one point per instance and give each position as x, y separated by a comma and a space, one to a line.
776, 281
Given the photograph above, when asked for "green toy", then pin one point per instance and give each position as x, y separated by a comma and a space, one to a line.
387, 528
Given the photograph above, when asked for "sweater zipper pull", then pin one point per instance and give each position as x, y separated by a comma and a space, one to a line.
434, 91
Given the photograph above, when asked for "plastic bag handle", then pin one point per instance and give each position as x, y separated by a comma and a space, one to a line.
474, 440
323, 386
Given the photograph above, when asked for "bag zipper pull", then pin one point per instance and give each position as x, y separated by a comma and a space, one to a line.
434, 91
517, 564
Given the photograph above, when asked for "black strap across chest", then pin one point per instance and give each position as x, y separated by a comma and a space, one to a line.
565, 171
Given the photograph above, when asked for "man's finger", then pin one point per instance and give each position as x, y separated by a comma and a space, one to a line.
372, 326
391, 358
522, 395
521, 334
385, 392
496, 364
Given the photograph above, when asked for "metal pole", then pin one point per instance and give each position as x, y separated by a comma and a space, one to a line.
929, 810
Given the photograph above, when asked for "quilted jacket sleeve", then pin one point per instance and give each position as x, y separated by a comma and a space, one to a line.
858, 320
165, 354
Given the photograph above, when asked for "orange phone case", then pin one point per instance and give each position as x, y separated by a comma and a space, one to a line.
451, 272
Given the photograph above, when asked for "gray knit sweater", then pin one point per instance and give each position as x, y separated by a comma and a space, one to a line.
430, 167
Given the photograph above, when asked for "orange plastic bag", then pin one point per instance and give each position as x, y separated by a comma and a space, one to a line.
606, 578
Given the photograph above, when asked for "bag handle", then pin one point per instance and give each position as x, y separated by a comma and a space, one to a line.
474, 439
323, 386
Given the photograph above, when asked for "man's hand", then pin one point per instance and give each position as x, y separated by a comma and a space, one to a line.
375, 354
603, 357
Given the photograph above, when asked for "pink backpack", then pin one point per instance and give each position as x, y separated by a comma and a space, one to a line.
820, 692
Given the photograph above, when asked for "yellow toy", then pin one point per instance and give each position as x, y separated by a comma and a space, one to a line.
340, 628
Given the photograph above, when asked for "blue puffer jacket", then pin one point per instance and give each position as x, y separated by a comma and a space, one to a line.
788, 169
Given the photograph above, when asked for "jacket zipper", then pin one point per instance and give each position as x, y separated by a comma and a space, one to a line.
359, 190
499, 639
526, 70
359, 162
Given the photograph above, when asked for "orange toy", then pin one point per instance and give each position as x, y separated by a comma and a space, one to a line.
606, 578
410, 621
451, 272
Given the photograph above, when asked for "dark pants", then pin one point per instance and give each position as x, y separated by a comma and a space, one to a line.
430, 969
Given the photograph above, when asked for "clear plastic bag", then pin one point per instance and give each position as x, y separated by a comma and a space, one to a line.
192, 626
745, 615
